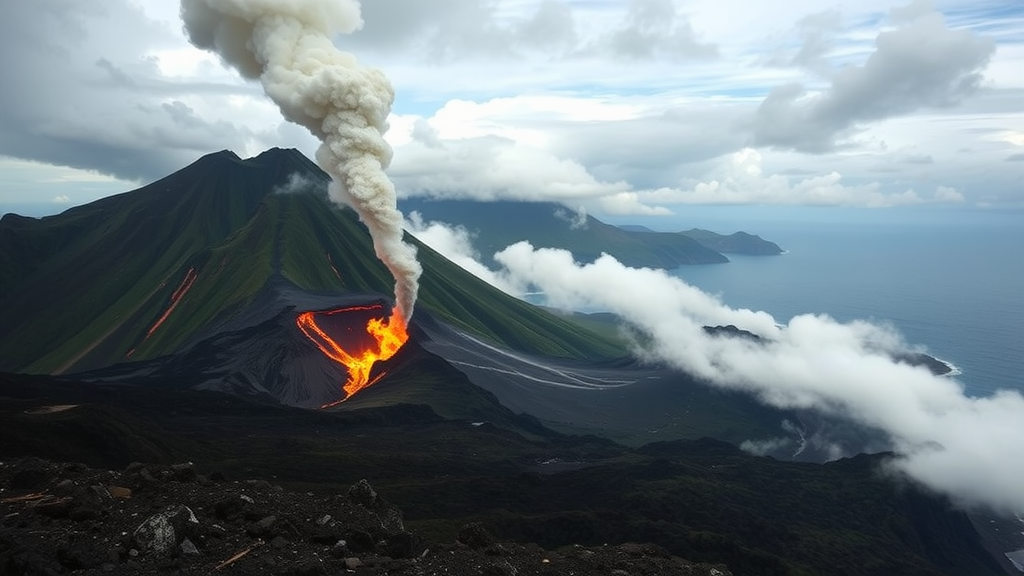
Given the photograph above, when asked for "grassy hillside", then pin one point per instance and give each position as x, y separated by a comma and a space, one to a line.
135, 276
735, 243
326, 248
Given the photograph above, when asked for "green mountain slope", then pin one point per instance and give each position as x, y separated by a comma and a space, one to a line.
326, 249
735, 243
138, 275
496, 225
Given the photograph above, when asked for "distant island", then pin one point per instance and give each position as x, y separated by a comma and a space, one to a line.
735, 243
495, 225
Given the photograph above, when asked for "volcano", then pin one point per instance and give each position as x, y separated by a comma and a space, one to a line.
239, 275
197, 261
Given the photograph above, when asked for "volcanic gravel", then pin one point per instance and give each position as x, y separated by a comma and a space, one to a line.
58, 518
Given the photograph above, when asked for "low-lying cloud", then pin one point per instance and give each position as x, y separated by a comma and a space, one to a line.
968, 448
455, 243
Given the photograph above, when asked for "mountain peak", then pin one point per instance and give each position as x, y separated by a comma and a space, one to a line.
275, 159
222, 156
286, 160
279, 154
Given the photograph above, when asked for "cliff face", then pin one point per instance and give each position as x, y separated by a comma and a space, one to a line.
64, 518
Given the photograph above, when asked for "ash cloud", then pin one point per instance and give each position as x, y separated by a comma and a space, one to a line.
287, 46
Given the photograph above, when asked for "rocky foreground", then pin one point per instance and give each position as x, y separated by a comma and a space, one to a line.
146, 519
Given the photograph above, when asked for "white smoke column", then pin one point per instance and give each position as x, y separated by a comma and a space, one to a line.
287, 45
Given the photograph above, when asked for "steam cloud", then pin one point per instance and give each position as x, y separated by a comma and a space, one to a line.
286, 44
969, 448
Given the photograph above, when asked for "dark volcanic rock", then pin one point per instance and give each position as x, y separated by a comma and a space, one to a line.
933, 364
476, 536
161, 533
731, 331
181, 523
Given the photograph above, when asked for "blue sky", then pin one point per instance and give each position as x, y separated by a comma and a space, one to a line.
624, 108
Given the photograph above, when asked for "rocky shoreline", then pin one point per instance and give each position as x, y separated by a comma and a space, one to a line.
66, 518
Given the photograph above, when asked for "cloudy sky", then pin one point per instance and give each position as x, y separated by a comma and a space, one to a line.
624, 107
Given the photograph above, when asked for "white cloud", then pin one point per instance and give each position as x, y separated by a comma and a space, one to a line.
577, 220
613, 100
526, 149
923, 64
455, 244
491, 167
652, 29
61, 199
742, 181
962, 446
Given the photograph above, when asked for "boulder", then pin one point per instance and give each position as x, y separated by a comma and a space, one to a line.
162, 532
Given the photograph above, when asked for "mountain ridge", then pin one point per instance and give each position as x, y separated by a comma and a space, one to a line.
497, 224
198, 245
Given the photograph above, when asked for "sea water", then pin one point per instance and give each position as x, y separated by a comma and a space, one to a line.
950, 282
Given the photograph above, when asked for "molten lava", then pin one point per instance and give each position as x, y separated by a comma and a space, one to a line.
358, 350
179, 292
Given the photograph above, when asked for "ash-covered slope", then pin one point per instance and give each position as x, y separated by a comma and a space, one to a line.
152, 272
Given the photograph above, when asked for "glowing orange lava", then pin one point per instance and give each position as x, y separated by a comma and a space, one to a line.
186, 284
333, 267
179, 292
382, 339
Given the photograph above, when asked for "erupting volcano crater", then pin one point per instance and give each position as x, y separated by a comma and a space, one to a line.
357, 337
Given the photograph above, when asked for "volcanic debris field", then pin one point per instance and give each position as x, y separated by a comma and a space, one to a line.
703, 500
68, 518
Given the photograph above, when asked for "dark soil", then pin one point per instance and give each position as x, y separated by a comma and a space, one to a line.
148, 519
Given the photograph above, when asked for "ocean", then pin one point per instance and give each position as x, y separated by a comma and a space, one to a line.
951, 282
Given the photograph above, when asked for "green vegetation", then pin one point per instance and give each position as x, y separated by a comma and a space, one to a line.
85, 289
735, 243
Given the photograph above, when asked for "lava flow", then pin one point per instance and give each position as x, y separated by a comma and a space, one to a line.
179, 292
336, 333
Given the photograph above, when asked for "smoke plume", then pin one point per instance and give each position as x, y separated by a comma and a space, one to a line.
286, 44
